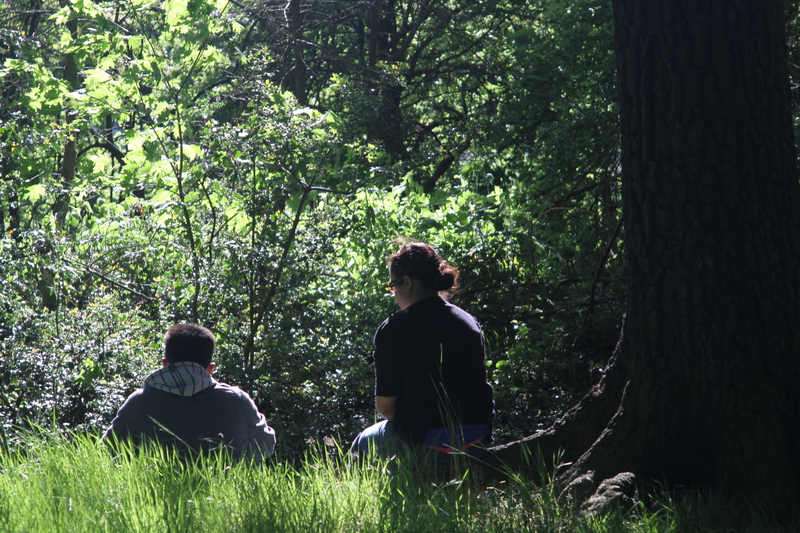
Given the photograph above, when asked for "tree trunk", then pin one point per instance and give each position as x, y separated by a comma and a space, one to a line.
295, 15
382, 46
711, 344
70, 158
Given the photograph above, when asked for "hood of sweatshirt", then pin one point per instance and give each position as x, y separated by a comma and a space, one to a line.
183, 378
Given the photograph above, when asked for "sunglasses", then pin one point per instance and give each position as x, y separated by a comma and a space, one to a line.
393, 283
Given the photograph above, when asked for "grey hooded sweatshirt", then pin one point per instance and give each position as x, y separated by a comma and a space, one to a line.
182, 405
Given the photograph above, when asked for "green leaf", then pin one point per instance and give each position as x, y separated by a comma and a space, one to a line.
35, 192
156, 71
97, 76
161, 197
176, 11
192, 151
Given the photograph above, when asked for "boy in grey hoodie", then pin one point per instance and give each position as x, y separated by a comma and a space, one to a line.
183, 406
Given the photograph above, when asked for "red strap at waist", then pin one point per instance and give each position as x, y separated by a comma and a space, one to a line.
454, 450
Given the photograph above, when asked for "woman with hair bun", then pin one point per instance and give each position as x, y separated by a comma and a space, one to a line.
430, 379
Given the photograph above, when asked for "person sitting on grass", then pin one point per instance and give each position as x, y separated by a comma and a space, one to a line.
181, 405
430, 378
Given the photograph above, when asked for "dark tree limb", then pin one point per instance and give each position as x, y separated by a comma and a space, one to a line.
571, 435
109, 147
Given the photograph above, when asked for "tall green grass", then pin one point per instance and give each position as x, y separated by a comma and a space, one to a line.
67, 482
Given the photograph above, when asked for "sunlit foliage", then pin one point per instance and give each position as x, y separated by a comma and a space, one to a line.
249, 169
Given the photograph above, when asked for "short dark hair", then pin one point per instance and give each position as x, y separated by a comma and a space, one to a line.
421, 261
189, 342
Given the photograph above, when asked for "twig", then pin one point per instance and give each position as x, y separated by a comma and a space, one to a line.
115, 283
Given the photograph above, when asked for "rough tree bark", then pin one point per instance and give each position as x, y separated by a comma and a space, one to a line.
294, 14
69, 160
709, 359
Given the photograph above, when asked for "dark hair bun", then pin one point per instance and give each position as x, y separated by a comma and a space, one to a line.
447, 278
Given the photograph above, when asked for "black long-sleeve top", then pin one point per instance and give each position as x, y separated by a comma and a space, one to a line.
431, 357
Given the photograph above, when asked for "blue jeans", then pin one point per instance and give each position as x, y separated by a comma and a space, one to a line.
380, 440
